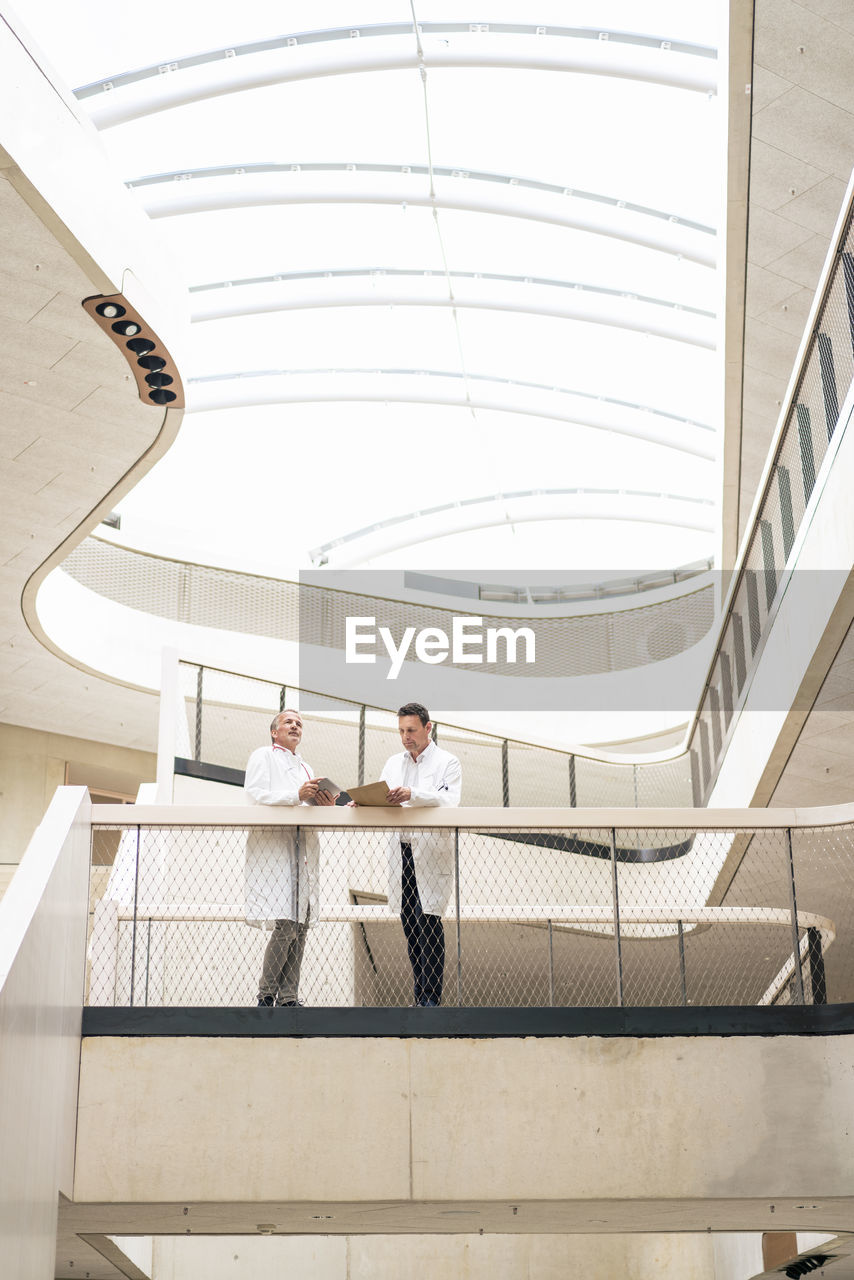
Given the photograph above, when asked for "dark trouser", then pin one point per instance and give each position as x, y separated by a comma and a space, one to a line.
425, 935
282, 961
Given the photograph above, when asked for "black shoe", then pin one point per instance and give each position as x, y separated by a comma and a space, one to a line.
266, 1001
291, 1004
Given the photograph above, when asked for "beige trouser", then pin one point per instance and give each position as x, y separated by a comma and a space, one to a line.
282, 960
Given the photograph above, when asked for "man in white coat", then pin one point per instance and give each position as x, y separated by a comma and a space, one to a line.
421, 865
281, 864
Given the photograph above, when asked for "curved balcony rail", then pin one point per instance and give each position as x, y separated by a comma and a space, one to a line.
813, 416
559, 592
572, 641
223, 716
751, 908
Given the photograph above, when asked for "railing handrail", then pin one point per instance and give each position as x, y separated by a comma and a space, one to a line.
808, 340
579, 752
472, 819
527, 914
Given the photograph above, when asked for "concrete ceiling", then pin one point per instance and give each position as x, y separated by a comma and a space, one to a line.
801, 157
72, 427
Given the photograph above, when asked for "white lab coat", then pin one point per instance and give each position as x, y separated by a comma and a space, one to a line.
273, 854
434, 779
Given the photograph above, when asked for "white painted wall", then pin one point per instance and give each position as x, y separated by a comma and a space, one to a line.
738, 1255
42, 965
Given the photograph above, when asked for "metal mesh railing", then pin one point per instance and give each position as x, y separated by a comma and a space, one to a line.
225, 716
575, 644
811, 419
491, 911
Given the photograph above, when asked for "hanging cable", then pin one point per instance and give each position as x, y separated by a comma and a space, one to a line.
422, 71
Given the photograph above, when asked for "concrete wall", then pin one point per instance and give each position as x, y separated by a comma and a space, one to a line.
32, 766
463, 1257
42, 964
578, 1134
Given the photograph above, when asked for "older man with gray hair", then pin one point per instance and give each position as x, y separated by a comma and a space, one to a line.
282, 864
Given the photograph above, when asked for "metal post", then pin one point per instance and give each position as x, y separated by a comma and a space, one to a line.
283, 697
766, 532
147, 959
739, 651
505, 774
296, 876
787, 515
199, 682
796, 944
828, 383
616, 895
133, 931
682, 975
848, 277
361, 769
457, 892
696, 788
754, 625
806, 448
551, 969
573, 785
818, 980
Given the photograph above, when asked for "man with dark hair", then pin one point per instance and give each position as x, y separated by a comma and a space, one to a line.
281, 877
421, 865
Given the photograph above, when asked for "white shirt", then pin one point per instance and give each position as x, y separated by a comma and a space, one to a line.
274, 775
433, 778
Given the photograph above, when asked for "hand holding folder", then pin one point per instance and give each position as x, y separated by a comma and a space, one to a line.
373, 793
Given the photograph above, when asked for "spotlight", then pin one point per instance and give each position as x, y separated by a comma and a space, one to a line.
139, 346
158, 380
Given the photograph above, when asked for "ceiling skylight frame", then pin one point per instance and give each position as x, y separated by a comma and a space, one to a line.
253, 388
240, 68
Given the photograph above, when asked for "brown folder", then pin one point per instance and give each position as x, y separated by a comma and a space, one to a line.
373, 793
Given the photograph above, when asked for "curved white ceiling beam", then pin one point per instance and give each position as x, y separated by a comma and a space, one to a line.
169, 195
393, 47
440, 387
591, 306
526, 506
221, 299
420, 170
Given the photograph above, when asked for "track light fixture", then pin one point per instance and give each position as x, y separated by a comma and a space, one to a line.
805, 1265
154, 370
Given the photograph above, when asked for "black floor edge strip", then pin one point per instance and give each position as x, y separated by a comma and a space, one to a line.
733, 1020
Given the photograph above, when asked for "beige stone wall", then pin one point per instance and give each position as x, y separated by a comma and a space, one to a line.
408, 1257
33, 764
574, 1134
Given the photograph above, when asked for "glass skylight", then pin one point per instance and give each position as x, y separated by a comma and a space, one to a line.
423, 266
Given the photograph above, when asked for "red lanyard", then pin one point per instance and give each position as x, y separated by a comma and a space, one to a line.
276, 747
